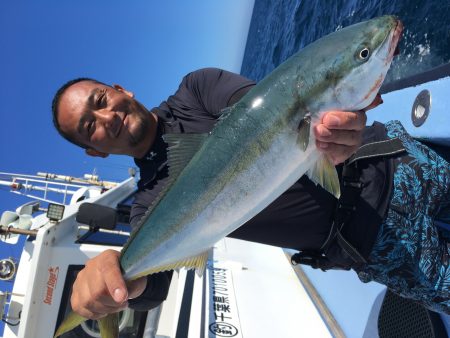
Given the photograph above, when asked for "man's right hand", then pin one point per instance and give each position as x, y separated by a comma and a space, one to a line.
99, 288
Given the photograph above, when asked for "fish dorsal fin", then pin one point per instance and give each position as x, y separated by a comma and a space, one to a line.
196, 262
181, 149
324, 173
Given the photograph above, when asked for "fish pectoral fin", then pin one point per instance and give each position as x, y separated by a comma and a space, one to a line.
109, 326
69, 323
325, 174
304, 129
196, 262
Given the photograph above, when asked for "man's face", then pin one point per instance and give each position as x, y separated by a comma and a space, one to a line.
103, 118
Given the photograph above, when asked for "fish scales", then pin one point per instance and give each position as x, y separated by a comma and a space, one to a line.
235, 155
222, 167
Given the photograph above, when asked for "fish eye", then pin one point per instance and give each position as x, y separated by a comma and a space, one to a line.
364, 53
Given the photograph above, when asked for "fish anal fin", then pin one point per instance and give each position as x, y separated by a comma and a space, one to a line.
201, 263
325, 174
109, 326
70, 322
196, 262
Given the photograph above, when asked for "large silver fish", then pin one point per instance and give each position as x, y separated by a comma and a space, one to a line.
260, 147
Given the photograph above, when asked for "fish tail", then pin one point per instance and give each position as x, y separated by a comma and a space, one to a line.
109, 326
71, 322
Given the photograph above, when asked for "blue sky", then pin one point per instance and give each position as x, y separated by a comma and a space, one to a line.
145, 46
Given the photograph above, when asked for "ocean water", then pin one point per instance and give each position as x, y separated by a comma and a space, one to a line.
281, 28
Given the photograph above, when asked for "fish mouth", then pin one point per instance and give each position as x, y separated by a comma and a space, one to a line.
384, 55
394, 39
375, 103
393, 48
389, 47
386, 52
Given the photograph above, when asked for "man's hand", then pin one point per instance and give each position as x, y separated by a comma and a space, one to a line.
100, 289
340, 134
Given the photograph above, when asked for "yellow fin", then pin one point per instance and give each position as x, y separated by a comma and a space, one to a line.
109, 326
201, 263
196, 262
71, 322
324, 173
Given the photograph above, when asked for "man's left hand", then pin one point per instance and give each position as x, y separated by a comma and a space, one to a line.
339, 134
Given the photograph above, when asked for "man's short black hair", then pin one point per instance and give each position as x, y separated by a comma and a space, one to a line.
55, 111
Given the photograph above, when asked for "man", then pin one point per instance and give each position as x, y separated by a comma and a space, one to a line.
108, 120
